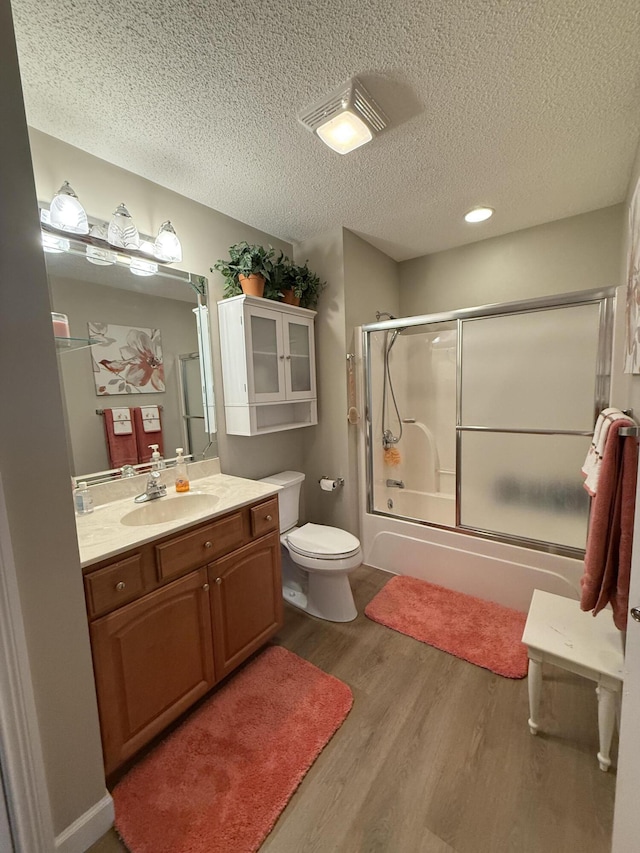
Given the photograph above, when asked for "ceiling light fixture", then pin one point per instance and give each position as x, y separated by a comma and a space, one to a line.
478, 214
66, 213
122, 232
345, 119
167, 246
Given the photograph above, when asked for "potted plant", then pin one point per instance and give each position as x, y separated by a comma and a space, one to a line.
246, 270
283, 281
305, 285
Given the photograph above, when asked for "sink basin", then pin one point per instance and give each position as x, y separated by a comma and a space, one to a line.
170, 509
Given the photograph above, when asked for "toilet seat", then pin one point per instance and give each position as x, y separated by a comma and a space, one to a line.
322, 542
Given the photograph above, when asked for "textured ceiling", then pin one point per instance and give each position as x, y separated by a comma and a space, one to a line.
530, 106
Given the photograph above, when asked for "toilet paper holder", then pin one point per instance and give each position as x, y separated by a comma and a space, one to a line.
329, 484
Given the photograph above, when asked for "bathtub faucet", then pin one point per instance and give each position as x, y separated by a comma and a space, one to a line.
395, 484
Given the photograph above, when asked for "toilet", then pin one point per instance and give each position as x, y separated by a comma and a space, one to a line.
316, 559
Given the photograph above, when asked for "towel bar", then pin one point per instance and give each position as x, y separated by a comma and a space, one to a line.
101, 411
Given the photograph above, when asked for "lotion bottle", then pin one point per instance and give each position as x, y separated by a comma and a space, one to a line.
157, 462
82, 499
182, 477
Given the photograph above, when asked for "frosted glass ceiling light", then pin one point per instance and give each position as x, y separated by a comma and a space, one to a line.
96, 254
478, 214
66, 212
122, 232
167, 246
345, 119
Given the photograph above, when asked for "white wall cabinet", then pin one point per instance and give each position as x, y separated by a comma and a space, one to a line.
268, 365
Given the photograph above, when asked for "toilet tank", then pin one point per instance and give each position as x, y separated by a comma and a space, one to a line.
288, 496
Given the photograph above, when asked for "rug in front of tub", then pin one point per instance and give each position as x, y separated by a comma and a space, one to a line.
220, 781
481, 632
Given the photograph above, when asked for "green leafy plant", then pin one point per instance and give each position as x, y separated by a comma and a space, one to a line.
305, 284
245, 260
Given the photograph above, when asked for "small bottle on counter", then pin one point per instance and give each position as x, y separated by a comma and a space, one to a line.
82, 500
182, 477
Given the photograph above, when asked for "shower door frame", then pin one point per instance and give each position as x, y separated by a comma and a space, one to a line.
605, 297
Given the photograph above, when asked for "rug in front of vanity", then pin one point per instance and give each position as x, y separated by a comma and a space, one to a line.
481, 632
219, 782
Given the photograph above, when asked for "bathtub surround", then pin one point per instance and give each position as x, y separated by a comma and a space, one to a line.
220, 781
481, 632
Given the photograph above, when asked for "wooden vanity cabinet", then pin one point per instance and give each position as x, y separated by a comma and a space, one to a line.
159, 653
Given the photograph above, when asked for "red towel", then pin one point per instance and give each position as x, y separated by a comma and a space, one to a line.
607, 561
122, 449
144, 439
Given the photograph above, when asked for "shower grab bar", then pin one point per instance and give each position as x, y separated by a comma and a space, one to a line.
523, 431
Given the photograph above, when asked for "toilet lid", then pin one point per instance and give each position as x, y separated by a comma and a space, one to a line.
313, 540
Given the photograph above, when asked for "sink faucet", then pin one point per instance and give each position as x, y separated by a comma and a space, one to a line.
155, 489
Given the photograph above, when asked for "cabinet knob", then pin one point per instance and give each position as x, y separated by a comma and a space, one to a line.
208, 544
288, 358
120, 586
281, 358
218, 581
268, 517
205, 587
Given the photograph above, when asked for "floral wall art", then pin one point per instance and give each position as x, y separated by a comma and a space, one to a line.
126, 359
632, 345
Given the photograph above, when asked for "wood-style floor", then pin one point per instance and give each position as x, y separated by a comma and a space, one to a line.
436, 755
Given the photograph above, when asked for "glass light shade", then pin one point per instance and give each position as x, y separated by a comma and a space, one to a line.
100, 257
148, 248
122, 232
66, 212
478, 214
167, 246
345, 132
52, 243
138, 266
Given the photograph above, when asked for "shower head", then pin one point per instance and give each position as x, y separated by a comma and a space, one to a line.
381, 314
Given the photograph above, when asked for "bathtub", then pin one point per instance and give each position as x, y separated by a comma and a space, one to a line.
437, 507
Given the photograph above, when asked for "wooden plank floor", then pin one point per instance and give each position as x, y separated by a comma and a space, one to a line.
436, 755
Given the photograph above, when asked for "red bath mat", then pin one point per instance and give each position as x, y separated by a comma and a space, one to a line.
219, 782
481, 632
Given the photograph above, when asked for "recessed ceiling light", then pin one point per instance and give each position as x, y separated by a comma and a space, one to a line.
478, 214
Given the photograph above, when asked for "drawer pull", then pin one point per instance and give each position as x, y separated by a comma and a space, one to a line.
120, 586
208, 544
268, 517
205, 587
218, 581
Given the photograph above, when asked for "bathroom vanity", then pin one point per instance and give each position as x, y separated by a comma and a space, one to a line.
176, 612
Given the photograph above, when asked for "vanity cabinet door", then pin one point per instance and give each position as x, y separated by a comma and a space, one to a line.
246, 601
152, 660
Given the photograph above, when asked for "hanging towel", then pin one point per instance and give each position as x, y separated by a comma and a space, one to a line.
607, 561
148, 425
121, 446
593, 462
122, 424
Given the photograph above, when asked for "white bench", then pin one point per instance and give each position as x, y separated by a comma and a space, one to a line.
558, 632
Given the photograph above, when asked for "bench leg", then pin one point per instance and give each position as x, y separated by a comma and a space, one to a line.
607, 704
535, 686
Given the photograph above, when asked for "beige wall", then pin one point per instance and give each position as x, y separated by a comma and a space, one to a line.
35, 473
578, 253
205, 235
630, 385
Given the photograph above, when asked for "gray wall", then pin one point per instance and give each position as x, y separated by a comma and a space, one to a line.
206, 236
578, 253
34, 467
82, 301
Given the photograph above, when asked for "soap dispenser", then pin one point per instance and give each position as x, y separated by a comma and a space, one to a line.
157, 462
182, 478
82, 500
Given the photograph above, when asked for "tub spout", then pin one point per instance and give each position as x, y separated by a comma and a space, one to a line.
395, 484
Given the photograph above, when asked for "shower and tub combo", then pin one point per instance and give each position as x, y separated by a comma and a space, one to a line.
477, 425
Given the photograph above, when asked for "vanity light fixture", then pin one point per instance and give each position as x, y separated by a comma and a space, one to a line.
478, 214
122, 232
138, 266
97, 255
167, 246
54, 244
66, 213
345, 119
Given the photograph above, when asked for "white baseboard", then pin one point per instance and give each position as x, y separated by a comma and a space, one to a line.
88, 828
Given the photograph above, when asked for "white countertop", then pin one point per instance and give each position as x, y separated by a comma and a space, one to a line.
101, 533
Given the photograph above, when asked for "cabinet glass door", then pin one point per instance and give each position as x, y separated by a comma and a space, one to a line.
266, 357
299, 358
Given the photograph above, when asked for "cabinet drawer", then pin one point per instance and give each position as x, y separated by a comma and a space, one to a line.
199, 547
264, 518
118, 584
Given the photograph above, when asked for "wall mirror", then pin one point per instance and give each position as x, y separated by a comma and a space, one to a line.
174, 303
